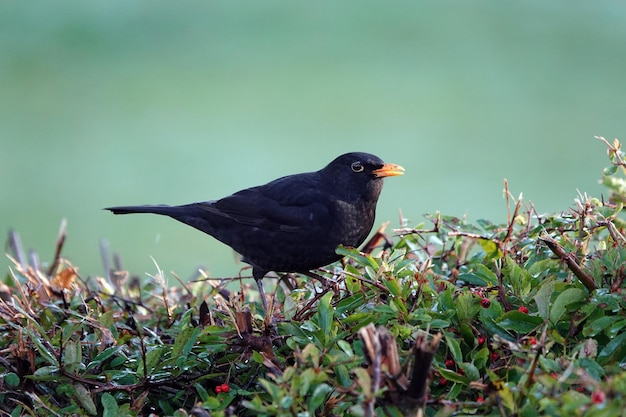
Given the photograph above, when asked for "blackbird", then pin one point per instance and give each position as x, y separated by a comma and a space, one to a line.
294, 223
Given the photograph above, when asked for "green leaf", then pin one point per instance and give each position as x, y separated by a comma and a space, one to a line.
358, 257
467, 333
484, 275
45, 354
184, 341
519, 322
301, 335
109, 404
318, 398
343, 376
257, 357
392, 286
565, 298
305, 379
153, 357
44, 371
453, 376
312, 353
481, 357
202, 392
272, 389
439, 324
364, 380
614, 351
72, 355
103, 356
345, 347
599, 325
493, 328
18, 411
358, 319
285, 402
542, 298
507, 398
325, 315
353, 283
542, 266
470, 370
466, 306
84, 398
491, 249
400, 305
11, 379
519, 278
573, 402
454, 347
473, 279
255, 404
456, 390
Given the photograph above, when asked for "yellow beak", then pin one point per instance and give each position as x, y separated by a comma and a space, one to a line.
388, 170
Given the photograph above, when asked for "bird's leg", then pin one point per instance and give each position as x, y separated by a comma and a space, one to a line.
270, 324
258, 277
259, 283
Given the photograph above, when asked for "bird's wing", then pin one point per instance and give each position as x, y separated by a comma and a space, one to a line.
274, 208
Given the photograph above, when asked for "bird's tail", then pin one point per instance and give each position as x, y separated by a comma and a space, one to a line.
193, 214
160, 209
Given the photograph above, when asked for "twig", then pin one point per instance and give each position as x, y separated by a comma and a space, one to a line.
614, 150
510, 218
305, 311
379, 237
531, 373
34, 260
409, 231
423, 353
57, 253
106, 261
15, 245
570, 260
501, 293
381, 353
615, 234
475, 236
367, 281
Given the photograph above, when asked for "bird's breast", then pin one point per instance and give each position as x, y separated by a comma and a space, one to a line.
353, 222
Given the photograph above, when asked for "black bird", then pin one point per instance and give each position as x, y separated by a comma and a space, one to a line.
294, 223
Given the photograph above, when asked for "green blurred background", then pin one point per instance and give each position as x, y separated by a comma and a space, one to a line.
126, 102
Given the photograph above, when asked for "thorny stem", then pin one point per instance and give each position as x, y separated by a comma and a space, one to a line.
59, 247
570, 260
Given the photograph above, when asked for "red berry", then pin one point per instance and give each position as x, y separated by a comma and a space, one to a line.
449, 363
225, 387
485, 303
443, 381
523, 309
532, 341
597, 397
481, 340
480, 399
495, 356
218, 389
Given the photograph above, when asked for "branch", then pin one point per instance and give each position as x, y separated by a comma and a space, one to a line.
570, 260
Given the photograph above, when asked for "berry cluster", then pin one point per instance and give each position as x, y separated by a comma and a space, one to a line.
222, 388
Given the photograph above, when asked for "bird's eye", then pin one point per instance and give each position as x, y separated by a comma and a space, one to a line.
357, 167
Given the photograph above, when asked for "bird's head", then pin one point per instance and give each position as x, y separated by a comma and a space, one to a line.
359, 175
